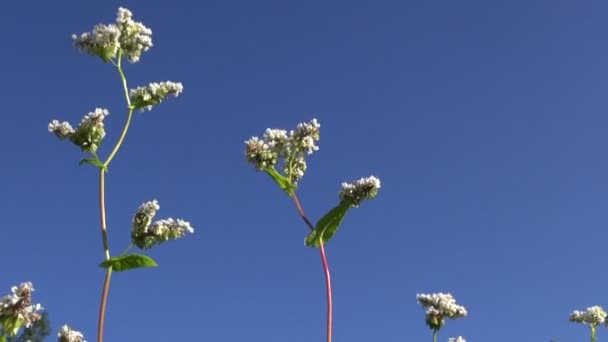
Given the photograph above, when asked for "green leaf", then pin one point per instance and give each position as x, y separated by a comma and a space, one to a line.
2, 338
327, 225
93, 161
128, 262
11, 325
144, 104
281, 180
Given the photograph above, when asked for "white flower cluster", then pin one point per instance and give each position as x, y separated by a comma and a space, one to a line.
593, 316
439, 306
457, 339
129, 37
66, 334
357, 191
145, 234
292, 147
154, 93
61, 129
88, 135
18, 306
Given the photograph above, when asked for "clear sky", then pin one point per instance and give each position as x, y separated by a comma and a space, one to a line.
485, 121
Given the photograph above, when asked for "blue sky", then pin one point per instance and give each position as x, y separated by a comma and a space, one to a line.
485, 121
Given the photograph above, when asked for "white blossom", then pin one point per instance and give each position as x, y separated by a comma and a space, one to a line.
62, 130
290, 148
154, 93
126, 36
457, 339
89, 134
360, 189
593, 316
145, 234
438, 307
66, 334
18, 305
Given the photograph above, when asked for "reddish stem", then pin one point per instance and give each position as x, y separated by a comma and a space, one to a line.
325, 269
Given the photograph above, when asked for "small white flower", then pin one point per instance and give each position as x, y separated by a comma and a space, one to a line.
291, 148
129, 37
154, 93
438, 307
145, 234
593, 316
62, 130
457, 339
359, 190
66, 334
260, 153
18, 305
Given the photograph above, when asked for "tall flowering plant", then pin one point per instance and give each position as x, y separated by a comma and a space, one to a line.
125, 39
282, 156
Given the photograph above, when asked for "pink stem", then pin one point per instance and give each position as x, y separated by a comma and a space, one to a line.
330, 304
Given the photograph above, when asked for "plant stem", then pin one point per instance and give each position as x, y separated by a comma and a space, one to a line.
325, 268
434, 335
104, 238
102, 205
129, 115
593, 333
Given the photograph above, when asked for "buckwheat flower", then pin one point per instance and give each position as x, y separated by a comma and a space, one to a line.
154, 93
260, 153
126, 36
145, 234
593, 316
103, 41
18, 306
277, 140
438, 307
304, 137
135, 37
290, 149
66, 334
358, 190
90, 133
62, 130
457, 339
296, 168
144, 216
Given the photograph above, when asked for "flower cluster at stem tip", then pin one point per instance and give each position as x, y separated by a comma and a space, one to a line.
17, 306
145, 234
355, 192
593, 316
291, 147
66, 334
457, 339
154, 93
125, 37
89, 134
438, 307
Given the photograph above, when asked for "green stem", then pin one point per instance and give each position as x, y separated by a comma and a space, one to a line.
434, 335
102, 205
593, 333
104, 239
129, 115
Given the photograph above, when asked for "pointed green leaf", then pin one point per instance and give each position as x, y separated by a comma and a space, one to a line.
327, 225
281, 180
128, 262
93, 161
